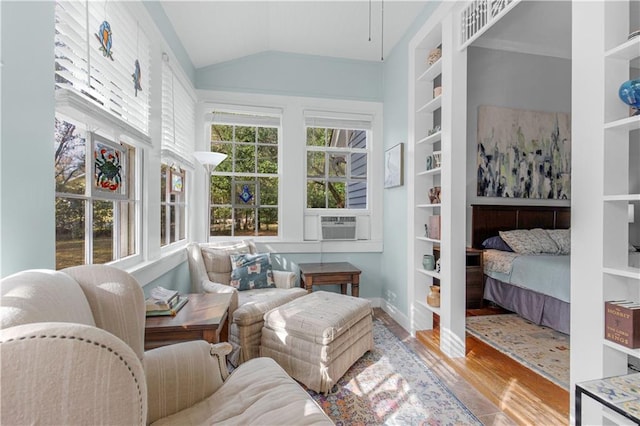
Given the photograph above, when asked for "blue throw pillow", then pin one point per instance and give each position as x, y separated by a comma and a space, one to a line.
251, 271
496, 243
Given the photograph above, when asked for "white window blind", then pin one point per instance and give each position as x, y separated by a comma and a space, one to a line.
335, 120
83, 68
245, 120
178, 116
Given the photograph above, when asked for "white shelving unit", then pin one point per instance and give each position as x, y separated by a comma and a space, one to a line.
433, 126
621, 176
602, 59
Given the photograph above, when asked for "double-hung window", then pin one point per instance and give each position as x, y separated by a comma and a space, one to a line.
102, 80
337, 159
96, 196
178, 139
244, 190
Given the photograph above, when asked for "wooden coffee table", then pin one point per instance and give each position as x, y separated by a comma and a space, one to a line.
203, 317
342, 273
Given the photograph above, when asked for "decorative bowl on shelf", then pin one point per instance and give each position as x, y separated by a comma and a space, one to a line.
629, 93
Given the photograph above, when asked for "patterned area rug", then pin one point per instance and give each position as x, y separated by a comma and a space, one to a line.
538, 348
390, 385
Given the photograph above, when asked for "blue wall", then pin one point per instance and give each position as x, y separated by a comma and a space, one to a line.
27, 218
290, 74
164, 25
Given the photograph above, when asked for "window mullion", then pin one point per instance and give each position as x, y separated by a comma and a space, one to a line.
116, 230
88, 232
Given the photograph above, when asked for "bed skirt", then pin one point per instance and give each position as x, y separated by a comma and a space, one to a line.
533, 306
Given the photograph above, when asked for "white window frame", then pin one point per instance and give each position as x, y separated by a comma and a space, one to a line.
167, 205
109, 136
295, 220
248, 116
177, 142
339, 121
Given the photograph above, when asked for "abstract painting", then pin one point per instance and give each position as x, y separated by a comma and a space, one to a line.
523, 154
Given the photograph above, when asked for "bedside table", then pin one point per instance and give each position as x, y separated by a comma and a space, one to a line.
474, 276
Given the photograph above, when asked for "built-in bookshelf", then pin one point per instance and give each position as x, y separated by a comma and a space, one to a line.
433, 177
621, 173
605, 187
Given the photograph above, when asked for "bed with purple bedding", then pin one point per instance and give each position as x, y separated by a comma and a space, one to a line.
531, 283
537, 287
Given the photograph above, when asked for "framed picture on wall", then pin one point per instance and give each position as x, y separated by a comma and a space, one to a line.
394, 166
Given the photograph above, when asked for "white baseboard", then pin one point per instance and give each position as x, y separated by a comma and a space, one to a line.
394, 313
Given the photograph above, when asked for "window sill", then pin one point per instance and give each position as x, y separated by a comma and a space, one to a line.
358, 246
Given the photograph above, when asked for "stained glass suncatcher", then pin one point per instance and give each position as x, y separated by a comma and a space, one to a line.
105, 38
107, 162
246, 194
137, 77
177, 181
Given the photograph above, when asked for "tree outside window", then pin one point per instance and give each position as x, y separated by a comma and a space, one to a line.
95, 197
244, 188
336, 168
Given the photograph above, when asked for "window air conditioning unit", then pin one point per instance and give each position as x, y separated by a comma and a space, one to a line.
338, 228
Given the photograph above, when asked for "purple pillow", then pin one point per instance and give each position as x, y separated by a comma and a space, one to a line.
496, 243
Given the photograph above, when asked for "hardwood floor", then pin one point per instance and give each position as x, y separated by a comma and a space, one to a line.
497, 389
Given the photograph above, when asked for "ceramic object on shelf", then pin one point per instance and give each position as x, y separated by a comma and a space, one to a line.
434, 195
429, 262
437, 158
434, 55
429, 162
629, 93
433, 298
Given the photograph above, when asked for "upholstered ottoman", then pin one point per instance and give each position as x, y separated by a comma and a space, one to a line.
317, 337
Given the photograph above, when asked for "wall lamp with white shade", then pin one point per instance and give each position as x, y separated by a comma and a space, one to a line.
210, 160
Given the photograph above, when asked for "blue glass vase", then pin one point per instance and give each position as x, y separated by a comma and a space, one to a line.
629, 93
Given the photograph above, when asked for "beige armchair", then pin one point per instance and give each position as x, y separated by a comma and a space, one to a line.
210, 269
72, 353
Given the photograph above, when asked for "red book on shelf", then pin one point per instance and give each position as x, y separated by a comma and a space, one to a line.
622, 323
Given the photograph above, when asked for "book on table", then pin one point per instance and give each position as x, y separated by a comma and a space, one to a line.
173, 309
164, 302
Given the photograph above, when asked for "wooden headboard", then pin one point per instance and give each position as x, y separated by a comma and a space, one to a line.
488, 220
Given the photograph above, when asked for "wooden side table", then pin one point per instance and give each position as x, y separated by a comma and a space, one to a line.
342, 273
203, 317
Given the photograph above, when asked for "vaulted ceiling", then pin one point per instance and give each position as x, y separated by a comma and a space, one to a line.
216, 31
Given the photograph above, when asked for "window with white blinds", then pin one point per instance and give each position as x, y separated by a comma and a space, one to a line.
104, 70
178, 116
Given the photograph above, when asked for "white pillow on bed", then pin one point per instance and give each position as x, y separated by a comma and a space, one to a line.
562, 238
530, 241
